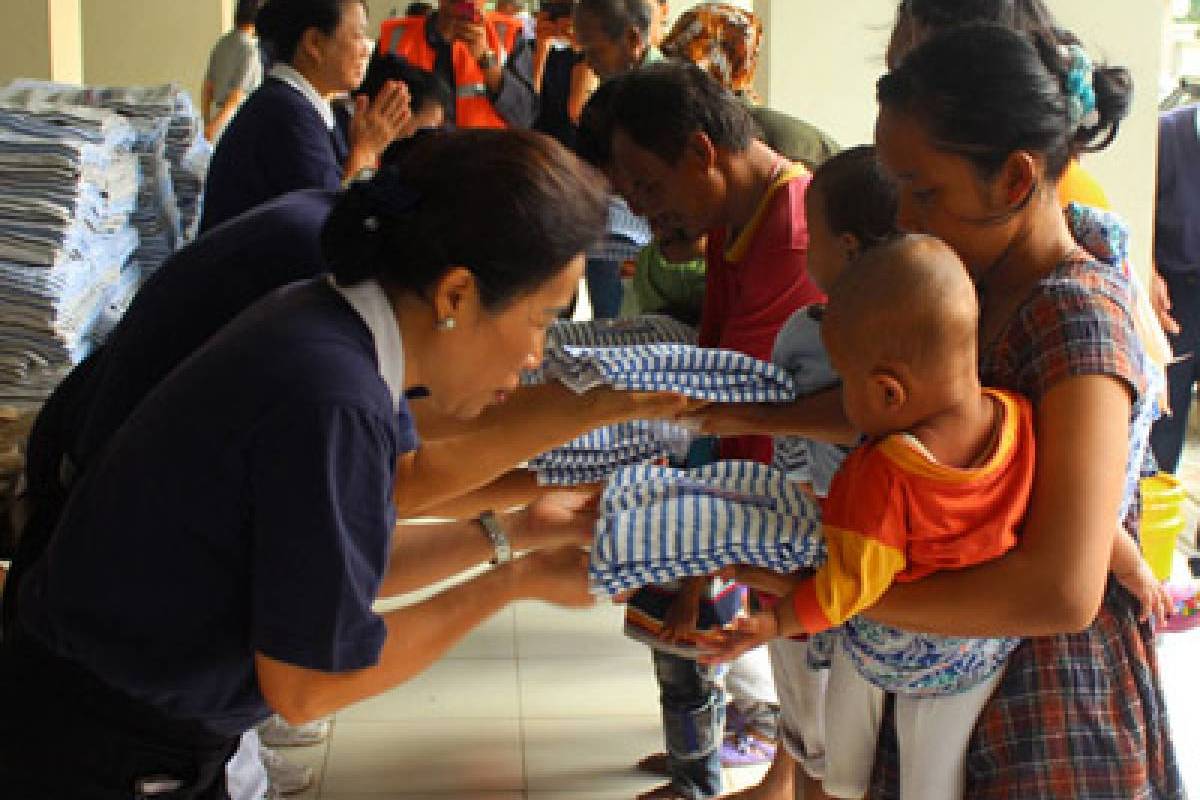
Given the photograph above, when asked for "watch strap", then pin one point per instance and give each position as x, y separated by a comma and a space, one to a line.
497, 536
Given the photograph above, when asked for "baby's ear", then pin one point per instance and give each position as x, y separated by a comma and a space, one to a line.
892, 392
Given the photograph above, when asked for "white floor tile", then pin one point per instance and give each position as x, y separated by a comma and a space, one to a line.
547, 631
1179, 658
574, 687
425, 757
495, 638
590, 757
451, 689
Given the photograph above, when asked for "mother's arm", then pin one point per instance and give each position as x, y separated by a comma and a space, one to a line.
1053, 581
817, 416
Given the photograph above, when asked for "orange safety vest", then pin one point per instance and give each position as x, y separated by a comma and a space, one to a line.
405, 36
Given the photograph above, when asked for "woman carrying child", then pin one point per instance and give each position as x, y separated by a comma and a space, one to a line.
978, 146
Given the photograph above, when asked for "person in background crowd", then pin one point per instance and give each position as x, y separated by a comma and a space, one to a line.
614, 36
561, 76
430, 100
418, 9
1176, 289
235, 69
518, 10
682, 151
725, 41
482, 55
286, 137
662, 14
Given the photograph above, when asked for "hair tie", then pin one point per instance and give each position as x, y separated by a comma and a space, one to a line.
386, 195
1081, 94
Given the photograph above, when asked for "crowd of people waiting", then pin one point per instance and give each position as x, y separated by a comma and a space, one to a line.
393, 219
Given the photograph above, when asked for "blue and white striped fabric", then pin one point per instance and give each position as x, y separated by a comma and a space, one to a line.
800, 350
592, 457
722, 376
644, 329
626, 235
658, 524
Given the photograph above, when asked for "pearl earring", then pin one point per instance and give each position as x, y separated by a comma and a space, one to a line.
446, 324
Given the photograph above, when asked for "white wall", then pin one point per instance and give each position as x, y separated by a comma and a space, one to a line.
823, 59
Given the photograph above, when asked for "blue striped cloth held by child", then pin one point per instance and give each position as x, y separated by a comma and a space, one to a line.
658, 524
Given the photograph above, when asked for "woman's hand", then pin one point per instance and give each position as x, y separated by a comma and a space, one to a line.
556, 576
558, 518
377, 124
609, 406
1160, 299
1151, 595
760, 578
744, 635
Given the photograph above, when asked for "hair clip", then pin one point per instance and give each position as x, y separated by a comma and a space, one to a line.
1081, 93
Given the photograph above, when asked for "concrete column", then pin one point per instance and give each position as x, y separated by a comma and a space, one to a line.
41, 39
138, 42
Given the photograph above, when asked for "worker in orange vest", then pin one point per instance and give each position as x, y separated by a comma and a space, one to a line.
482, 55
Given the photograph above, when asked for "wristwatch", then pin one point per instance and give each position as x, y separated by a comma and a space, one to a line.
487, 60
497, 536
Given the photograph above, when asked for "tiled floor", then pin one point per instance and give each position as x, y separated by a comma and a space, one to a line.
540, 703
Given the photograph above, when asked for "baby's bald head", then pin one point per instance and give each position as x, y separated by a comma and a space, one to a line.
909, 302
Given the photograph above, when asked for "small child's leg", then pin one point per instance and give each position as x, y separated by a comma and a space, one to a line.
853, 711
932, 734
801, 704
693, 711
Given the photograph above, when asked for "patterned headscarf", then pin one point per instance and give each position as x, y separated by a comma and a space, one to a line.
721, 39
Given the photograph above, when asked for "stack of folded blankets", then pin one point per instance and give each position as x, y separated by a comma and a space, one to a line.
170, 147
720, 376
658, 524
70, 189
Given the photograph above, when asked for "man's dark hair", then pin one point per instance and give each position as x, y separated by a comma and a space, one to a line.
418, 10
423, 85
618, 16
660, 107
246, 12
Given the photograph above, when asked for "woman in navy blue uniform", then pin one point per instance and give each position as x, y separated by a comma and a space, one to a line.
220, 557
286, 135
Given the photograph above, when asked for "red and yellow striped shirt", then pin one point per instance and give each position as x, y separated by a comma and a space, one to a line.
894, 514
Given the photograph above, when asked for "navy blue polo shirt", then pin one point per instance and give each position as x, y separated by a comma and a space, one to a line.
246, 505
276, 143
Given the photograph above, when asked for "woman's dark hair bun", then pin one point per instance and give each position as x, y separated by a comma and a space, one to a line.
356, 234
985, 91
512, 207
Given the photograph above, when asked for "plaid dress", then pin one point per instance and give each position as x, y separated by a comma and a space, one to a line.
1077, 716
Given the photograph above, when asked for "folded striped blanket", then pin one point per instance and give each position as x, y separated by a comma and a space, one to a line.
658, 524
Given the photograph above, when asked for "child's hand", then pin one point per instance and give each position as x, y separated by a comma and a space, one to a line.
1149, 591
760, 578
744, 635
681, 618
